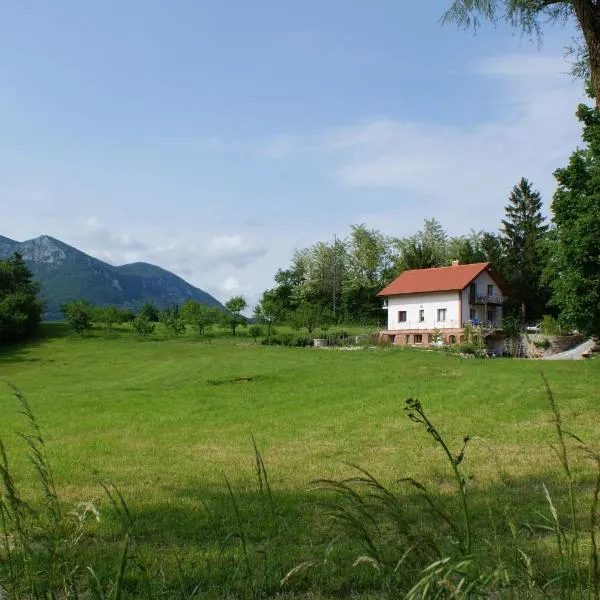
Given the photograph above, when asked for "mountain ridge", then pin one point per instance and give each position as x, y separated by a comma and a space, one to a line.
66, 273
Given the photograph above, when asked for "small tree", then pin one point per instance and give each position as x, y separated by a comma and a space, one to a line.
234, 318
79, 314
255, 331
150, 311
108, 316
266, 312
172, 319
199, 315
142, 326
126, 315
311, 315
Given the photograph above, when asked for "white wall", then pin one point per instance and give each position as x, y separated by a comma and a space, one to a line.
430, 302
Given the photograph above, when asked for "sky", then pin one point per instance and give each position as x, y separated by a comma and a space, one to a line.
215, 138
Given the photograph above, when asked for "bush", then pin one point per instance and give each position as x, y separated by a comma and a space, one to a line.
79, 314
255, 331
543, 345
142, 325
550, 326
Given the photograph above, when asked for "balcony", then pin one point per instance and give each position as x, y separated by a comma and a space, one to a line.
485, 299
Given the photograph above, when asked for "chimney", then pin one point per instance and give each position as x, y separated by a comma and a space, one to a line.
455, 262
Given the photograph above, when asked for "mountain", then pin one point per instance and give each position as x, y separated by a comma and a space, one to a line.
66, 274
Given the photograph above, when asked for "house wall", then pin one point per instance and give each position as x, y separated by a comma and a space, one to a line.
481, 281
430, 303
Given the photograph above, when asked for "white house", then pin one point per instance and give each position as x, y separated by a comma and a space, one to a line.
424, 303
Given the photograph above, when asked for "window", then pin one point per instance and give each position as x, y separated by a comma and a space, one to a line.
490, 290
421, 314
472, 314
401, 316
490, 316
441, 314
452, 339
418, 338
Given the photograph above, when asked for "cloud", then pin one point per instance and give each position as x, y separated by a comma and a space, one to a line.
233, 250
460, 169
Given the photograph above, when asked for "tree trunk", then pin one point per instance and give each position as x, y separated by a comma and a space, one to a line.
588, 16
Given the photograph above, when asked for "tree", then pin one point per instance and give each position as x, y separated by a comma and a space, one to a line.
108, 316
172, 319
199, 315
266, 311
528, 17
574, 270
142, 325
312, 315
79, 314
150, 311
425, 249
20, 307
523, 235
234, 318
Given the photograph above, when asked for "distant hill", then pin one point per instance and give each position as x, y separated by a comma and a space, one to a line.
66, 274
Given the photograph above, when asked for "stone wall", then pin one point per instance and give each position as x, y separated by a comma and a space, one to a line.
558, 343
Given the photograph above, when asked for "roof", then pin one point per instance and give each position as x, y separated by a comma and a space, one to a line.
440, 279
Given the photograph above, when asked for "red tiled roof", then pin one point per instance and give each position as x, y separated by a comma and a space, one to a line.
441, 279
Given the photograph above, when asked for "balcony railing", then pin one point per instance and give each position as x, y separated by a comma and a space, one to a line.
486, 299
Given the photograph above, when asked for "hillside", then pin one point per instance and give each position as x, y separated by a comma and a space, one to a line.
66, 273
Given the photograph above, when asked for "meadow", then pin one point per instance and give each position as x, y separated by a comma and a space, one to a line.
216, 447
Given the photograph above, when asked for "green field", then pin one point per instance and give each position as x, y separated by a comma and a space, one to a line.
166, 421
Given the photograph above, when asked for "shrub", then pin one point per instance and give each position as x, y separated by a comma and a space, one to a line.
255, 331
550, 326
543, 345
79, 315
143, 326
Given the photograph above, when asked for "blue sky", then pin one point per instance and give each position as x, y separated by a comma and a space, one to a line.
215, 138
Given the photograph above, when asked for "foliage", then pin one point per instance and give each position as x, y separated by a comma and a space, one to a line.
108, 316
344, 277
545, 344
255, 331
574, 272
311, 315
20, 307
150, 311
267, 311
528, 16
172, 318
199, 315
234, 318
551, 326
524, 242
126, 315
143, 326
79, 314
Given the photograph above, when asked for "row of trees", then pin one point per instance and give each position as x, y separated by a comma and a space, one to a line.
339, 281
81, 315
551, 268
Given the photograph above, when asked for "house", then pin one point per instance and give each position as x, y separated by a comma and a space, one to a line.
424, 305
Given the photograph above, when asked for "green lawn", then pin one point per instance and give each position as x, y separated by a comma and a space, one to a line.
166, 421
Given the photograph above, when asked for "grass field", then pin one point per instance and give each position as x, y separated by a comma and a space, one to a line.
167, 421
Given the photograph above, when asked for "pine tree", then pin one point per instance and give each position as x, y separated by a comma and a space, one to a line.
523, 236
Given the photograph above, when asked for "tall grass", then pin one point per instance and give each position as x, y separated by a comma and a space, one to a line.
447, 557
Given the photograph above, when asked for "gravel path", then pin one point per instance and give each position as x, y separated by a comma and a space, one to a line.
573, 353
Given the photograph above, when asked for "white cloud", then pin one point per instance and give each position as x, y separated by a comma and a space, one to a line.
233, 250
463, 173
